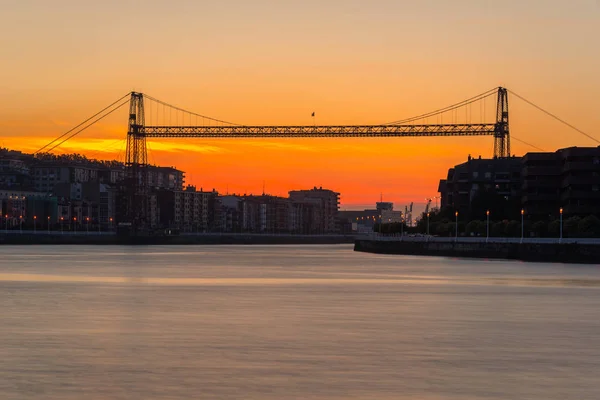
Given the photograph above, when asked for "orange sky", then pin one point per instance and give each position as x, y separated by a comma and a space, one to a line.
265, 62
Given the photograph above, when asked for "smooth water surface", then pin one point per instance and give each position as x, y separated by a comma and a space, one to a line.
292, 322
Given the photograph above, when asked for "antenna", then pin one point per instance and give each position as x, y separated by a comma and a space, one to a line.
263, 187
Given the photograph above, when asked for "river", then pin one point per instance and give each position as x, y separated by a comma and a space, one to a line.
292, 322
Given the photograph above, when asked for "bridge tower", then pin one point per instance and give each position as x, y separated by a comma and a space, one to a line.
501, 132
136, 163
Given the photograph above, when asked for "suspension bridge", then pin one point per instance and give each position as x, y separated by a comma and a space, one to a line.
153, 118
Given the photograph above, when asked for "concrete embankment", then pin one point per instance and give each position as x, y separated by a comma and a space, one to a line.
107, 239
566, 252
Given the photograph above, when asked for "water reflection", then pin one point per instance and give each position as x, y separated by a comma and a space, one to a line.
314, 322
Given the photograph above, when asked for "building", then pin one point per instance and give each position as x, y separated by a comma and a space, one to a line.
568, 178
329, 202
46, 176
14, 172
383, 206
480, 184
165, 178
186, 210
25, 206
391, 216
267, 214
541, 176
540, 183
231, 215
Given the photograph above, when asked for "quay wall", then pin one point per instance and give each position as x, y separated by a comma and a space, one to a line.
200, 239
571, 251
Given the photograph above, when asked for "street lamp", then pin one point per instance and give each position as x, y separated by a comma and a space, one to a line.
456, 225
75, 223
48, 224
561, 224
522, 224
87, 225
20, 223
6, 223
402, 227
427, 224
61, 225
34, 223
487, 228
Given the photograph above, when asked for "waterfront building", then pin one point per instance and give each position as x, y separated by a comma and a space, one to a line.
187, 210
568, 178
329, 203
165, 178
480, 184
22, 206
540, 183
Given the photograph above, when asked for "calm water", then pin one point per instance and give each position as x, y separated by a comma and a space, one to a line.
292, 322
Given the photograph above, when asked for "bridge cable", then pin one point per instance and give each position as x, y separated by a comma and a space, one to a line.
524, 142
186, 111
75, 127
448, 108
87, 126
555, 117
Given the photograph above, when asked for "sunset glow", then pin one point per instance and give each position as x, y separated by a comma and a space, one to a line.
350, 62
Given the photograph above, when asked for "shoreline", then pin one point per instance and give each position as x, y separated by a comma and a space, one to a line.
198, 239
576, 251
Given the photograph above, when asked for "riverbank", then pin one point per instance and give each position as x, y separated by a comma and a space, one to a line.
200, 239
585, 251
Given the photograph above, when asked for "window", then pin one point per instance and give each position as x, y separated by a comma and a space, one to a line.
488, 175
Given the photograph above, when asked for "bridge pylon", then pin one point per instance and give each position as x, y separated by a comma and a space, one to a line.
501, 131
136, 163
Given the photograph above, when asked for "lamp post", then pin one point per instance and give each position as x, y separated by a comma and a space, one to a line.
61, 226
20, 224
487, 227
427, 224
401, 228
48, 224
35, 224
6, 223
87, 225
75, 224
561, 224
522, 224
111, 223
456, 226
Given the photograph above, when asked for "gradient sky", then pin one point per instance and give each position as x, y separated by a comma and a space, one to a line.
275, 62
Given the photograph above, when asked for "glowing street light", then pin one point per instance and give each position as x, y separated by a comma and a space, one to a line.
34, 223
487, 228
456, 225
561, 224
427, 223
522, 224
